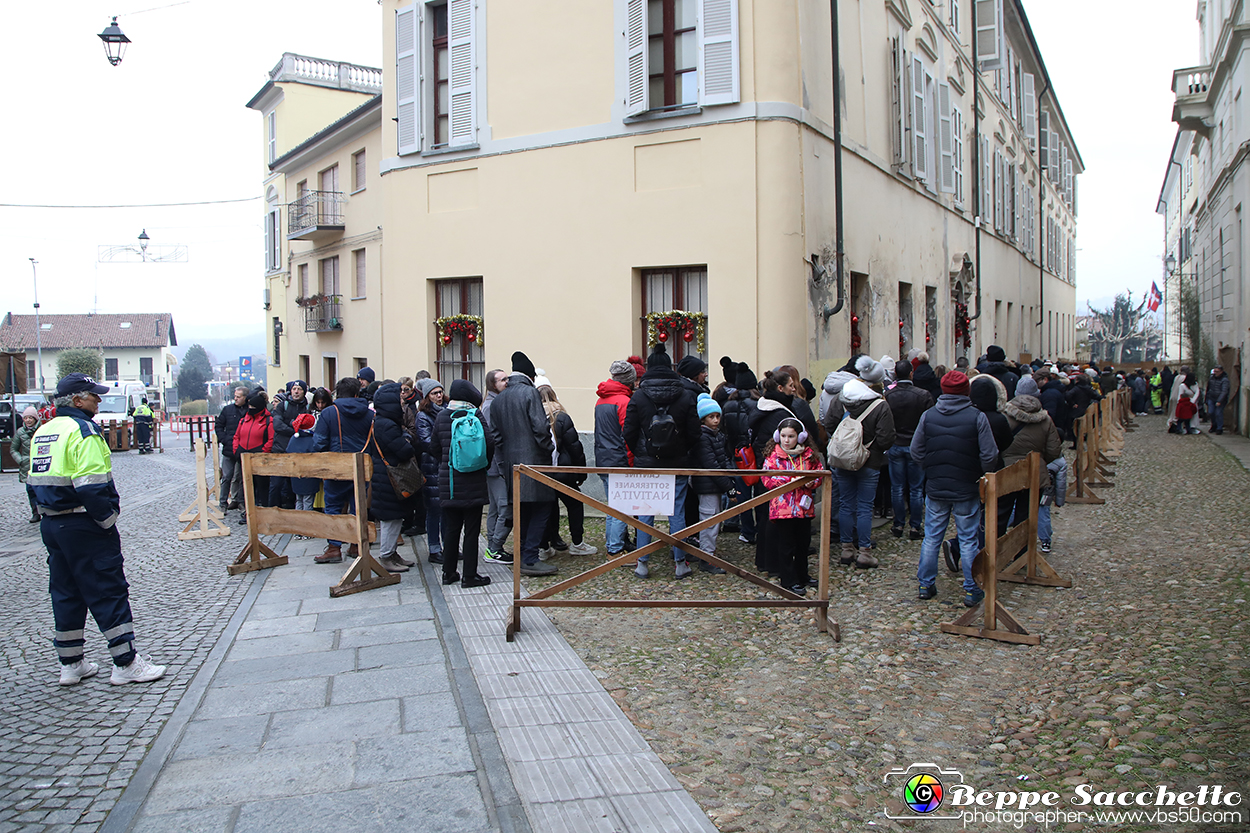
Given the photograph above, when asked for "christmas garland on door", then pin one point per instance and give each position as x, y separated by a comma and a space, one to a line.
692, 326
470, 326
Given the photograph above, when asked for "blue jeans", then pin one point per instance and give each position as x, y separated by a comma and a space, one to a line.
906, 487
857, 490
614, 530
1043, 523
429, 496
937, 515
339, 503
676, 521
746, 519
1217, 417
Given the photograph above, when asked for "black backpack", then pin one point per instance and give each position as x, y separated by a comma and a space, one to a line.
661, 434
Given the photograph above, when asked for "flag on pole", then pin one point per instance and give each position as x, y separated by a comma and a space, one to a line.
1155, 297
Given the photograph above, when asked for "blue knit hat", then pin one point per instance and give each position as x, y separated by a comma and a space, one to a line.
707, 405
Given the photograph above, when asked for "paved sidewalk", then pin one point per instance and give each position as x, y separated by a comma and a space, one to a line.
394, 709
1234, 444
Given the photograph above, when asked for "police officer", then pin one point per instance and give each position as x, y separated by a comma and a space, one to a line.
143, 427
71, 473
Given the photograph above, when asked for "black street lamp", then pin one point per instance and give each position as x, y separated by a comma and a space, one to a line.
143, 244
114, 42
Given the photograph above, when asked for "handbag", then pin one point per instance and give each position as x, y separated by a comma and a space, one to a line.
406, 478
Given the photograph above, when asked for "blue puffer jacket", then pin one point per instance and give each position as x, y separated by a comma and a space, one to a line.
389, 442
301, 442
343, 426
954, 445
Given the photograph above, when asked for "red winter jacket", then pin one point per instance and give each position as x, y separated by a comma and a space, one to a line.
610, 447
254, 434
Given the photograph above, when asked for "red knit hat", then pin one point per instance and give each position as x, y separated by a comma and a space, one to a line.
303, 421
955, 383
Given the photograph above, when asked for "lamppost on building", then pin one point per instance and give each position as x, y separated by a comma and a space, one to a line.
114, 42
38, 329
1174, 270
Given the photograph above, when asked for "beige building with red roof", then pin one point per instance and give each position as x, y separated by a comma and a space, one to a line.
133, 346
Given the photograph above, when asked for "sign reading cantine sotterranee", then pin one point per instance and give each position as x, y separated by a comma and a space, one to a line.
642, 494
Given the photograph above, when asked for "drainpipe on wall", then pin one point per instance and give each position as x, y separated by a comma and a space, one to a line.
976, 153
1041, 219
839, 238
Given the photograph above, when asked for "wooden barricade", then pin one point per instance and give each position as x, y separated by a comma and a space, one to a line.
118, 435
364, 573
662, 540
1124, 410
1090, 468
204, 510
998, 560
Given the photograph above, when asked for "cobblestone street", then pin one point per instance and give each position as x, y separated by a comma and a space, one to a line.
66, 754
1140, 678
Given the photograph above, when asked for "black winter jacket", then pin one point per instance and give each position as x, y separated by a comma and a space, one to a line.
924, 378
736, 413
661, 387
284, 413
988, 398
711, 452
1003, 373
468, 488
424, 444
907, 402
1053, 401
226, 424
389, 441
1080, 397
570, 450
770, 410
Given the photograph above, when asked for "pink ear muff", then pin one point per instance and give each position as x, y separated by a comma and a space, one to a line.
777, 436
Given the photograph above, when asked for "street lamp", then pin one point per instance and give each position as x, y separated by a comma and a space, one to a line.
38, 328
114, 42
143, 244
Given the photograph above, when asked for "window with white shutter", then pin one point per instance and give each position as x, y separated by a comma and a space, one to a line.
718, 52
407, 113
946, 140
1053, 173
1030, 109
359, 271
463, 73
987, 183
273, 241
957, 153
999, 220
271, 122
920, 149
954, 18
636, 74
898, 99
359, 171
1061, 181
1043, 146
989, 34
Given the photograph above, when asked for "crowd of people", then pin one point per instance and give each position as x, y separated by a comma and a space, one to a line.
916, 434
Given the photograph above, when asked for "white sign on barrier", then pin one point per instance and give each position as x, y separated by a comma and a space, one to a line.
642, 494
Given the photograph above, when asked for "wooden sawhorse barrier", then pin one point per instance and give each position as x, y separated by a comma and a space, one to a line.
1091, 467
662, 540
204, 509
999, 561
365, 573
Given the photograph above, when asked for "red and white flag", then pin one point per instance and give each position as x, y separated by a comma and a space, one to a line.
1154, 298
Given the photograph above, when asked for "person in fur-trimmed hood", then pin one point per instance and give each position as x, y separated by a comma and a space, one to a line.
990, 397
858, 489
1032, 430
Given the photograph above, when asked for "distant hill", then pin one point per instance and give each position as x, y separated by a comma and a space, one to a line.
222, 349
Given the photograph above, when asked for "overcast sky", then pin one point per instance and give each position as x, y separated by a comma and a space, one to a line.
169, 125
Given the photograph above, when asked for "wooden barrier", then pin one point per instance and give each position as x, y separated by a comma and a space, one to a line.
998, 560
364, 573
204, 509
661, 540
1091, 467
117, 434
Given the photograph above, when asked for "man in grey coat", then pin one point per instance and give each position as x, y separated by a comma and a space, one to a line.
1217, 398
496, 516
523, 435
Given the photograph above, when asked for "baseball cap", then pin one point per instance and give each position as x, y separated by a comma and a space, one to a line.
79, 383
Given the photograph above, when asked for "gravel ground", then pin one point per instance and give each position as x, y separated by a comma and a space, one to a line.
1138, 681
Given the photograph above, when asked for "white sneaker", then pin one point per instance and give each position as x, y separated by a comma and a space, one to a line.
79, 671
543, 555
582, 549
140, 670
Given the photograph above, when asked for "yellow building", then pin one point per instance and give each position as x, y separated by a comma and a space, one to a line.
563, 170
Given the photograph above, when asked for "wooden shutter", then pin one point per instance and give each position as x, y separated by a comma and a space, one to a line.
1054, 158
998, 190
957, 152
920, 149
1043, 140
1030, 109
718, 52
987, 183
407, 113
989, 34
463, 76
946, 143
954, 21
636, 71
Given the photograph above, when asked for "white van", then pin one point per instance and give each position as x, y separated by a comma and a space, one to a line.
119, 403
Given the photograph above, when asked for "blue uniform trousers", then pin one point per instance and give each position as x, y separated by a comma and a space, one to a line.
85, 573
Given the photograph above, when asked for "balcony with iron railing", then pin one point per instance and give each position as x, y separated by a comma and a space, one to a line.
322, 313
315, 216
1194, 108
